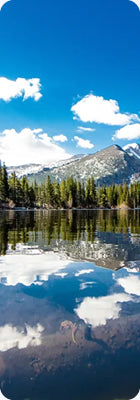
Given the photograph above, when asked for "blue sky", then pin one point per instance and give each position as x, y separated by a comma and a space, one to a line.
83, 55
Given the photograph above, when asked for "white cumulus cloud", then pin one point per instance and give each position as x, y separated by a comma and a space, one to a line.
85, 144
60, 138
128, 132
29, 147
137, 2
2, 2
85, 129
21, 87
96, 109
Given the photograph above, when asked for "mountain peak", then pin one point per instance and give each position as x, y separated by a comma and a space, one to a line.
133, 145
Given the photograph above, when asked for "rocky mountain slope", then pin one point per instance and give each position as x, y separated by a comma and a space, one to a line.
111, 165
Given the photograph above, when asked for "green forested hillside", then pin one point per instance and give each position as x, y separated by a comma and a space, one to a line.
70, 193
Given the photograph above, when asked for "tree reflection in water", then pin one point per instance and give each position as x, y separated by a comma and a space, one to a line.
110, 238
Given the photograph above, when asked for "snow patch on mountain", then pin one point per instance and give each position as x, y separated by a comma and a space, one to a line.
133, 149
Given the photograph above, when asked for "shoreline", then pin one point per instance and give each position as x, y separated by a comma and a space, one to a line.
120, 208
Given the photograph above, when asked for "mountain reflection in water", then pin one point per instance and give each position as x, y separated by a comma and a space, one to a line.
70, 305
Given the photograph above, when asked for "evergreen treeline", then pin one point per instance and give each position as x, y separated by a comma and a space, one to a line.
70, 193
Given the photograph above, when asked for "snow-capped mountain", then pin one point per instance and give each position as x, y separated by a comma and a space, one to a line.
133, 149
111, 165
29, 169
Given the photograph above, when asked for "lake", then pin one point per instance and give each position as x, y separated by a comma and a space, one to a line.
70, 305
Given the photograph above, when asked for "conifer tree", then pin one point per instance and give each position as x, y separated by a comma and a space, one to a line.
63, 192
57, 194
87, 194
5, 183
79, 194
12, 187
92, 191
49, 192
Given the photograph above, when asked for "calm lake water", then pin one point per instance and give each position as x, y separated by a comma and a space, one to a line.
70, 305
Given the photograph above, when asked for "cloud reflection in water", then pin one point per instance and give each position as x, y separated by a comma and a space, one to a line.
97, 311
30, 268
11, 337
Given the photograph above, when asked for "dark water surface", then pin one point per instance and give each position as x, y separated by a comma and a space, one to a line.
70, 305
